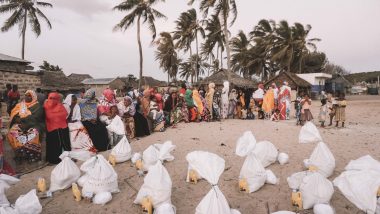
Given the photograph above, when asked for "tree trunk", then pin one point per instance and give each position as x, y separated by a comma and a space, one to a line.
140, 51
191, 66
168, 78
228, 50
196, 66
221, 58
23, 35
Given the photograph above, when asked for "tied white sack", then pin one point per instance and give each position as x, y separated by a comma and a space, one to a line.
309, 134
315, 189
82, 180
165, 208
64, 174
85, 167
157, 185
360, 188
295, 180
135, 157
5, 182
157, 152
364, 163
323, 209
102, 198
284, 212
271, 177
210, 166
28, 203
7, 210
266, 153
323, 159
245, 144
378, 206
101, 177
116, 125
283, 158
81, 155
122, 151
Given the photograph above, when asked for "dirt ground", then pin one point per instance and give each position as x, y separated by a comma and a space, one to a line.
360, 137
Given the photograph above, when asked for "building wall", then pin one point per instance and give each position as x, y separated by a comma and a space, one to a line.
117, 84
13, 66
24, 80
315, 78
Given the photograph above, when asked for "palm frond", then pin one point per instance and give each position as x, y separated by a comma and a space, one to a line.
15, 18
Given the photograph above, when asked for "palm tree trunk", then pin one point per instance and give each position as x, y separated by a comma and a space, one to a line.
196, 67
221, 58
228, 50
23, 35
191, 65
140, 51
168, 79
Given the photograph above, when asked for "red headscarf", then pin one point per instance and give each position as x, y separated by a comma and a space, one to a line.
55, 112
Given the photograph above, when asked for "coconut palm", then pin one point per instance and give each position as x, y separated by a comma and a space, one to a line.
186, 68
22, 11
143, 12
214, 38
166, 55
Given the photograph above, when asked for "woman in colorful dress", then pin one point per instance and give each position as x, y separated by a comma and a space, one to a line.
210, 97
25, 133
79, 137
268, 103
284, 101
191, 105
5, 168
173, 113
57, 136
96, 129
232, 98
224, 100
200, 102
127, 112
158, 119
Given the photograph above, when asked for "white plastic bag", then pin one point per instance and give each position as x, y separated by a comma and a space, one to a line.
165, 208
81, 155
271, 177
101, 177
295, 180
283, 212
82, 180
360, 188
28, 203
102, 198
283, 158
210, 166
323, 160
116, 126
323, 209
10, 180
245, 144
122, 151
364, 163
266, 153
315, 189
157, 152
7, 210
5, 182
309, 134
157, 185
64, 174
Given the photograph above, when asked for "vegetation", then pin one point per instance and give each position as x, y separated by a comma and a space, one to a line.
48, 67
24, 11
167, 56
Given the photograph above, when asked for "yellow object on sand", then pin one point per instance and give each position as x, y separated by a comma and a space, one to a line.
112, 160
147, 205
297, 200
313, 168
41, 185
243, 185
76, 192
139, 164
193, 175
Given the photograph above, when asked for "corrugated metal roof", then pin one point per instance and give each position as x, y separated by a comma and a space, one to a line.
102, 81
4, 57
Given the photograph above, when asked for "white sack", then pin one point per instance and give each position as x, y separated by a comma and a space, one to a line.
309, 134
283, 158
157, 185
102, 198
135, 157
306, 163
209, 166
64, 174
295, 180
315, 189
245, 144
5, 182
284, 212
188, 174
122, 151
165, 208
101, 177
323, 159
116, 126
364, 163
271, 177
378, 206
10, 180
157, 152
88, 164
254, 173
7, 210
360, 188
266, 153
82, 180
81, 155
28, 203
323, 209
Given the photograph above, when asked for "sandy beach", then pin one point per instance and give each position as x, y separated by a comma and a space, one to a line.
359, 138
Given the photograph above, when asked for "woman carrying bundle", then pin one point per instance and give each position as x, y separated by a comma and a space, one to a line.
127, 112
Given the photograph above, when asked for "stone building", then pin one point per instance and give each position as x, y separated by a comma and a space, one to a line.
100, 84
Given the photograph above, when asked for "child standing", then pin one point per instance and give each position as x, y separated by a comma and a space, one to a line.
323, 112
115, 126
275, 116
305, 111
340, 115
297, 106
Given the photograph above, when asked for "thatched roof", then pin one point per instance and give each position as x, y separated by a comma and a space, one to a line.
151, 82
219, 77
99, 81
57, 80
78, 78
368, 77
292, 78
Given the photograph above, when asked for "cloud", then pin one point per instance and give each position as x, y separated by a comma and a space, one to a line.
84, 7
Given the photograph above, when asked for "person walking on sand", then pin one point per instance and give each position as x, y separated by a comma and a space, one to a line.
323, 112
340, 115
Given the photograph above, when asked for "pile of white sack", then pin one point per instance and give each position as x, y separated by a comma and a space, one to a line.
258, 156
25, 204
155, 153
360, 184
122, 151
210, 166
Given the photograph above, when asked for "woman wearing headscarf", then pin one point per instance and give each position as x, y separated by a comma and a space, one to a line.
57, 136
5, 168
268, 102
216, 106
202, 111
232, 103
172, 110
127, 112
27, 125
79, 137
284, 101
224, 101
156, 114
190, 105
141, 122
106, 101
210, 97
96, 129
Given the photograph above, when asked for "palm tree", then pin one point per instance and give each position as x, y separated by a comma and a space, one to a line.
186, 68
143, 12
22, 10
222, 9
166, 55
49, 67
214, 37
187, 30
240, 47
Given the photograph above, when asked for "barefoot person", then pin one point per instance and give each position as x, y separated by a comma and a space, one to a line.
305, 111
340, 115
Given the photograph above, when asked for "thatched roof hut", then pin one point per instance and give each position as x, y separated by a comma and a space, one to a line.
235, 80
57, 80
295, 82
151, 82
78, 78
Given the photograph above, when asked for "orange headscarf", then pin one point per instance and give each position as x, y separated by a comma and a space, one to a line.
198, 101
55, 113
22, 108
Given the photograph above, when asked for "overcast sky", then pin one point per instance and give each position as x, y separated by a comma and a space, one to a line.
82, 39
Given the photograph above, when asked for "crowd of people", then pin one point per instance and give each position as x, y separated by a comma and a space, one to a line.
86, 123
